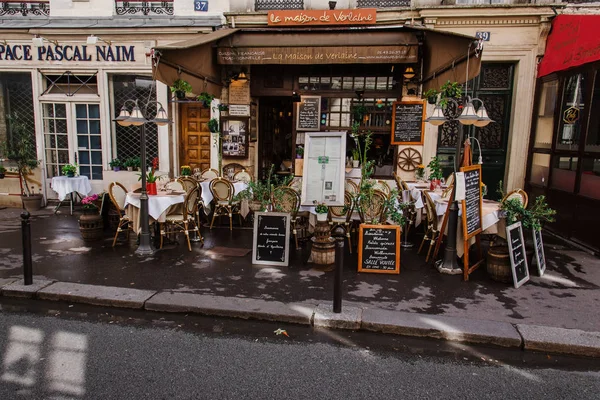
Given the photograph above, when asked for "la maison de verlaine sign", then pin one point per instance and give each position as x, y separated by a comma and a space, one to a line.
363, 16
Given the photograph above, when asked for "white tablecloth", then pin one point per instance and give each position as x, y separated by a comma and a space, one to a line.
157, 204
207, 196
64, 185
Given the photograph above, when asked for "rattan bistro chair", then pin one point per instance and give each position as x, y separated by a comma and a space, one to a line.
342, 216
517, 194
432, 230
209, 173
117, 194
351, 187
287, 200
222, 191
188, 183
371, 208
242, 176
184, 221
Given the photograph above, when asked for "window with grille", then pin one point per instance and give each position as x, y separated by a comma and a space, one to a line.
89, 141
16, 102
382, 3
127, 138
265, 5
56, 137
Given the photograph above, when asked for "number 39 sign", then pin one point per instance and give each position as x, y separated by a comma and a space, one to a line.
200, 5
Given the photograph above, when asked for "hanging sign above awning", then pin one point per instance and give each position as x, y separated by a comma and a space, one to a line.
362, 16
573, 41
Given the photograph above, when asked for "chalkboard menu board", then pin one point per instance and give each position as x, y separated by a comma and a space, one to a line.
271, 238
308, 112
408, 122
471, 205
518, 256
379, 249
540, 257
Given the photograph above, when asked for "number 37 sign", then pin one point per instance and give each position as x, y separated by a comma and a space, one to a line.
200, 5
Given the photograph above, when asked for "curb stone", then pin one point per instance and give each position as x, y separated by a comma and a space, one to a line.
349, 318
96, 295
19, 289
560, 340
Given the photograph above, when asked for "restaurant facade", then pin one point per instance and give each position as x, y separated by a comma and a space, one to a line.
564, 151
356, 64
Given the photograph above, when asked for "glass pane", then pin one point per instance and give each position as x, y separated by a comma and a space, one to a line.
540, 167
96, 157
48, 110
571, 112
50, 156
82, 142
359, 83
545, 119
84, 157
592, 142
303, 79
61, 126
62, 141
370, 83
82, 126
94, 110
95, 142
80, 111
97, 173
50, 141
563, 173
63, 156
60, 110
348, 82
336, 82
84, 170
590, 178
382, 83
95, 127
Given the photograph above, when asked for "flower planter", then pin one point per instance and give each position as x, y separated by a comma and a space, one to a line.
322, 217
432, 99
151, 188
180, 94
70, 174
91, 225
434, 184
255, 206
355, 163
130, 169
116, 169
32, 203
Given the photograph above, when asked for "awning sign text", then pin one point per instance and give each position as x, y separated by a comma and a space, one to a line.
27, 52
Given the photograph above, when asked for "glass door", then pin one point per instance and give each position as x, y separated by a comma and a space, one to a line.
72, 134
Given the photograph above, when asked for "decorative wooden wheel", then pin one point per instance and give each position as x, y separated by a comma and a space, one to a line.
409, 159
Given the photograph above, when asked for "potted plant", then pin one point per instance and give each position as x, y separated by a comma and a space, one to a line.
2, 171
420, 173
186, 170
431, 95
355, 158
213, 125
20, 149
450, 90
299, 152
90, 222
205, 99
435, 173
321, 209
359, 112
151, 179
181, 88
116, 164
257, 194
69, 170
223, 107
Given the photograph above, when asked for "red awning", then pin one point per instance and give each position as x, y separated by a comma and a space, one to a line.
573, 41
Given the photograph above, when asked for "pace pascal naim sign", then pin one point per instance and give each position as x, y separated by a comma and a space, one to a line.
27, 52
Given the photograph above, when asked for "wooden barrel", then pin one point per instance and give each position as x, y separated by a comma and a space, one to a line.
498, 264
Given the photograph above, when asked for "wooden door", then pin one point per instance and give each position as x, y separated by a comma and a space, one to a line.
195, 136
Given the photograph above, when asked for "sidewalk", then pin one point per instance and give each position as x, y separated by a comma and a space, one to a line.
419, 301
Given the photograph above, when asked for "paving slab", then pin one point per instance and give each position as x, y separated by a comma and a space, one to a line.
349, 318
560, 340
97, 295
6, 281
19, 289
441, 327
231, 307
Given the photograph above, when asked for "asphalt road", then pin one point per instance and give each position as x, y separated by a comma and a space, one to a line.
67, 352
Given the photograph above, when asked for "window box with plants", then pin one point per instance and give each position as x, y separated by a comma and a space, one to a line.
181, 88
133, 163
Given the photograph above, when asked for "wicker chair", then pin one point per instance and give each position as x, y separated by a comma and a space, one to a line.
287, 200
517, 194
382, 186
342, 216
351, 187
400, 183
296, 184
371, 208
176, 186
450, 180
184, 221
243, 176
209, 173
188, 183
229, 170
432, 230
222, 191
117, 194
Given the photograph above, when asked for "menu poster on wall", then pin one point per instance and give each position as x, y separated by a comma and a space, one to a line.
471, 205
408, 122
271, 238
308, 114
324, 168
239, 92
379, 249
518, 256
540, 257
235, 137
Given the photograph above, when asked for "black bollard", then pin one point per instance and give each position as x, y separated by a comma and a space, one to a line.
26, 235
339, 265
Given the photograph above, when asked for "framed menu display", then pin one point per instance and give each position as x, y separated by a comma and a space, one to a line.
518, 256
324, 168
408, 122
379, 249
234, 136
308, 114
471, 205
271, 241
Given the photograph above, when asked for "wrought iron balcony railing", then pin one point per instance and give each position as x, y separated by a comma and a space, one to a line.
264, 5
144, 7
382, 3
25, 8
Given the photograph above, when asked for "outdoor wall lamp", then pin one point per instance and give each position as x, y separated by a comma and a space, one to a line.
409, 73
38, 41
242, 77
92, 40
468, 116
